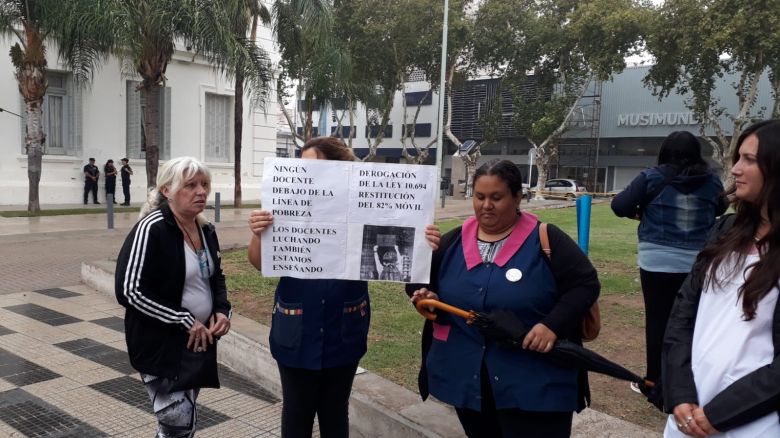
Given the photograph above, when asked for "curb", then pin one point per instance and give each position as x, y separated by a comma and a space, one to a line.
377, 407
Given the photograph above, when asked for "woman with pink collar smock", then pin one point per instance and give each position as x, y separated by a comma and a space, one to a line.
500, 383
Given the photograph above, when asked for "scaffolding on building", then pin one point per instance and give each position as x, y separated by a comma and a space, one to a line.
578, 149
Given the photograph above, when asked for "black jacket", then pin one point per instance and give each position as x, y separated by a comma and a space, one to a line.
749, 398
576, 279
149, 283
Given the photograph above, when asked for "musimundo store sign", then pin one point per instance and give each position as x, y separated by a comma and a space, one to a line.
657, 119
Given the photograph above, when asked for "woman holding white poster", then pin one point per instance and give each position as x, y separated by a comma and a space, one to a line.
319, 329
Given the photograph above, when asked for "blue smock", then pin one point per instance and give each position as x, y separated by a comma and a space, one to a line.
319, 324
519, 378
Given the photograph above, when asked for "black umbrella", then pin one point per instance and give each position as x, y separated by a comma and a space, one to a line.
503, 326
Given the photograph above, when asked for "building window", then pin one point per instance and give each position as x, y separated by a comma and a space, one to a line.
346, 132
315, 105
420, 130
135, 140
315, 131
416, 76
218, 122
419, 98
372, 131
60, 118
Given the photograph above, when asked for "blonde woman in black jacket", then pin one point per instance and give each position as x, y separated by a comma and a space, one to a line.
170, 280
721, 366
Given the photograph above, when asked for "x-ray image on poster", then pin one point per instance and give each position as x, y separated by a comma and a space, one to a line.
387, 253
347, 220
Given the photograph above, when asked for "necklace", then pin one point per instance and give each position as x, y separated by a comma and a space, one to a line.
203, 259
186, 233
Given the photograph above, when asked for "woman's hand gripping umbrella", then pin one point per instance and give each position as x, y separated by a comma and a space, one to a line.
503, 326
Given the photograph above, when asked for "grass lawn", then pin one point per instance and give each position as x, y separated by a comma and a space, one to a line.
394, 348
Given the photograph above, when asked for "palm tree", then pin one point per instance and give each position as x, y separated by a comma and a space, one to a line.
246, 12
311, 58
144, 34
33, 23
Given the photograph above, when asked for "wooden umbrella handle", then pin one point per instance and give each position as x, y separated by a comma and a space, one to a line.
422, 306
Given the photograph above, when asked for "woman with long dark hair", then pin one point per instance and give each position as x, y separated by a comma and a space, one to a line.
676, 203
721, 366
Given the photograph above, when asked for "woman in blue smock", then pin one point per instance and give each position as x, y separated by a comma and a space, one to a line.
319, 329
499, 382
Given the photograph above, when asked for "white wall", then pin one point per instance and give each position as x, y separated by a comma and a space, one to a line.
104, 131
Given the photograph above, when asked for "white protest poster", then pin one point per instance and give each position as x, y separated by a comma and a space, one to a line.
347, 220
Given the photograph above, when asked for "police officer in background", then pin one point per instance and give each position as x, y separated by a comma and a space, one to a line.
126, 171
91, 174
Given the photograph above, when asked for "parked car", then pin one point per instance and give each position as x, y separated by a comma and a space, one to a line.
562, 188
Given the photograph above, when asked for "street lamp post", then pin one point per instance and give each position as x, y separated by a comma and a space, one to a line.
442, 94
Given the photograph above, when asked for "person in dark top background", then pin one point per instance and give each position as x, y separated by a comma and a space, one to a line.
676, 203
91, 174
110, 171
126, 171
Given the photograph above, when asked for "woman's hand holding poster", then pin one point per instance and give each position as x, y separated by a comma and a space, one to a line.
347, 220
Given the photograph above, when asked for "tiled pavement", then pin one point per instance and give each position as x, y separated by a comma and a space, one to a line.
64, 373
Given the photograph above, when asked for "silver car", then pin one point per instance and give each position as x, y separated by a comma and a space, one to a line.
562, 188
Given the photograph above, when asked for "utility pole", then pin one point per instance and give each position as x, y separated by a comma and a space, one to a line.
442, 94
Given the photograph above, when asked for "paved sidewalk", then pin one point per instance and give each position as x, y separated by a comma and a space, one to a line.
64, 372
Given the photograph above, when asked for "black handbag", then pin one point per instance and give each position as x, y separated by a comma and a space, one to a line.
196, 370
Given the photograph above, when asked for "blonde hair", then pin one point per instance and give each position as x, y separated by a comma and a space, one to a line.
173, 174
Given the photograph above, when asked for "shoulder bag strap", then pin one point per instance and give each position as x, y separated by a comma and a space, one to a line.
545, 239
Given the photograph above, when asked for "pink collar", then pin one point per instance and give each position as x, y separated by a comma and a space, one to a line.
525, 225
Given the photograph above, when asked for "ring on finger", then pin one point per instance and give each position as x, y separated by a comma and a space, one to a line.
688, 419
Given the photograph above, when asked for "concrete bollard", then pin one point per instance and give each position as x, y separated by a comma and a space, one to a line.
216, 207
583, 222
110, 210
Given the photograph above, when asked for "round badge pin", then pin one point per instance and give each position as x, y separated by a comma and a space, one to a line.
514, 275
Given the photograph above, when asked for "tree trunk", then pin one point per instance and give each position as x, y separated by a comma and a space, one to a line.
290, 123
30, 65
549, 147
151, 113
471, 167
238, 129
775, 76
387, 98
34, 141
542, 165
